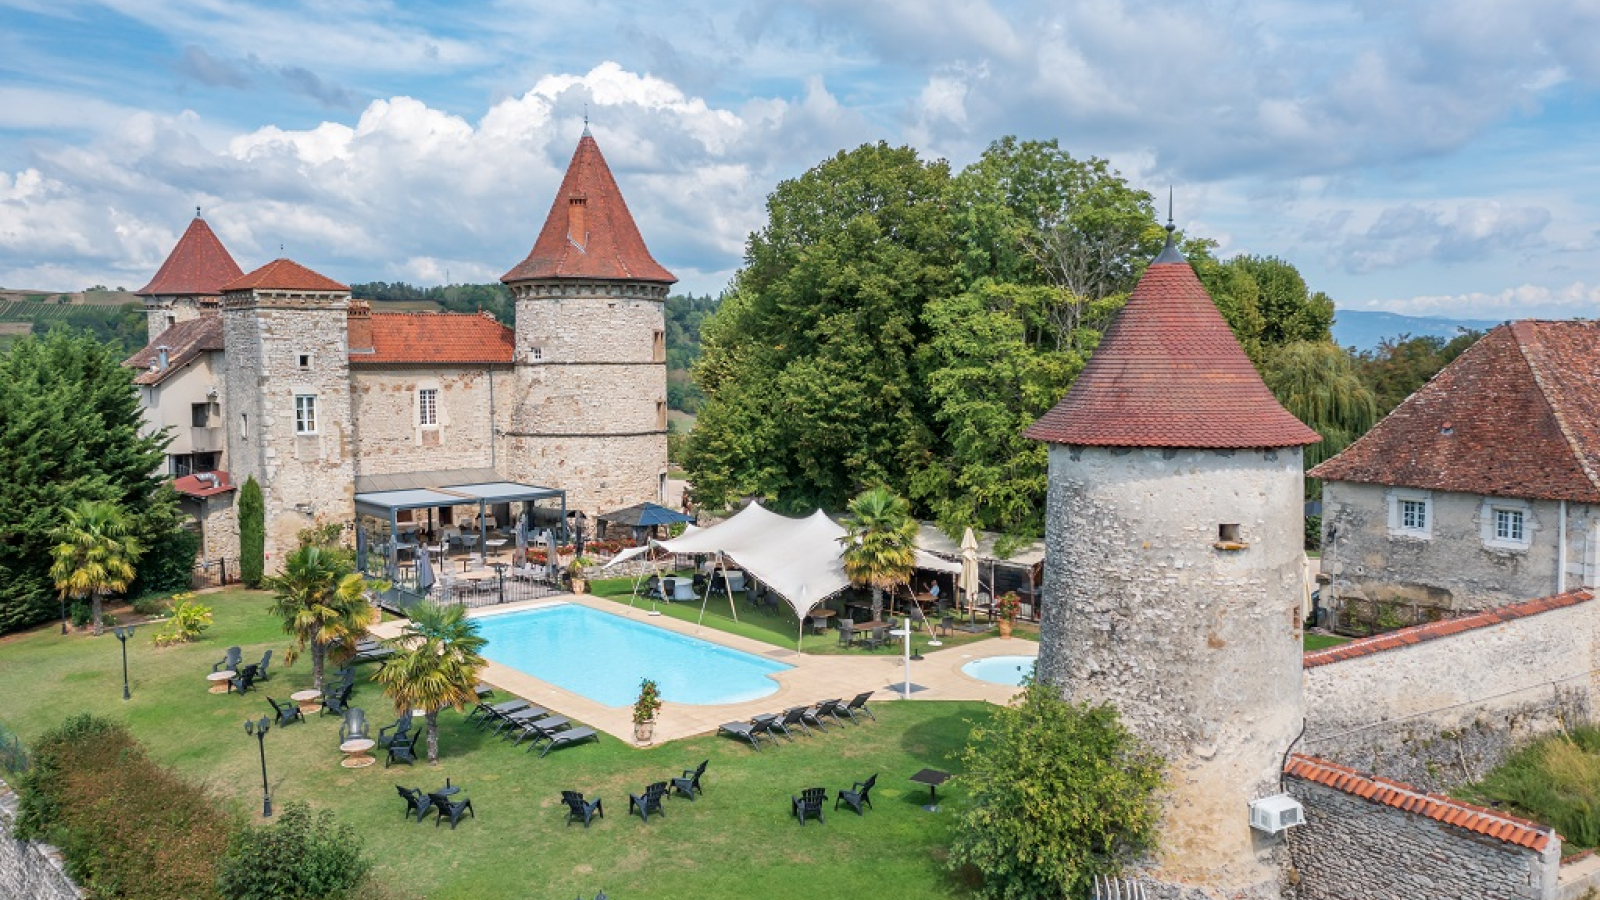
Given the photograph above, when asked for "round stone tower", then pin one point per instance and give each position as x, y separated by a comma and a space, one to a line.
590, 412
1173, 569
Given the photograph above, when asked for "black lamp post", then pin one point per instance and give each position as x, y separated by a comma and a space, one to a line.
259, 729
63, 601
123, 634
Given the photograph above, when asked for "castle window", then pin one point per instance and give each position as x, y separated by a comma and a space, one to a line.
535, 354
428, 406
303, 360
305, 413
1410, 513
658, 346
244, 426
661, 415
1506, 524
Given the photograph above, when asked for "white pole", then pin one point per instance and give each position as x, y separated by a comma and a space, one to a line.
907, 627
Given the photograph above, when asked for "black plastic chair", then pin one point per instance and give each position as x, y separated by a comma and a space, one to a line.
947, 625
847, 633
416, 801
808, 804
406, 752
652, 588
579, 808
452, 808
648, 802
244, 680
286, 712
337, 702
354, 726
689, 784
858, 704
261, 667
859, 795
230, 661
401, 731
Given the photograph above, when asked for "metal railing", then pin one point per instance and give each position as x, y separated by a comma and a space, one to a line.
210, 573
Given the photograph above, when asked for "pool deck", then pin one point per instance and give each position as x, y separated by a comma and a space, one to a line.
937, 676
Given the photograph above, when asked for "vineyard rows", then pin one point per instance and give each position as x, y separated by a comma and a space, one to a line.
46, 312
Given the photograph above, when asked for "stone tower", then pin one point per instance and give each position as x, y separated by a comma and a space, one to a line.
190, 281
590, 413
288, 397
1173, 570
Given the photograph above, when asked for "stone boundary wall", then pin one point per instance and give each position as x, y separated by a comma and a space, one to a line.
27, 869
1441, 704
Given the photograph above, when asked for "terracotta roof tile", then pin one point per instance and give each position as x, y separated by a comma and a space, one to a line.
1432, 631
1517, 415
1399, 795
589, 232
195, 486
184, 341
436, 338
284, 275
1170, 373
197, 265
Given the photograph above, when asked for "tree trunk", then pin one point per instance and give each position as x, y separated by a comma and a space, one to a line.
319, 653
432, 718
94, 610
877, 603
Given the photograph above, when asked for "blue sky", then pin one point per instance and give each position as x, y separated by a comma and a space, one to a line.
1409, 156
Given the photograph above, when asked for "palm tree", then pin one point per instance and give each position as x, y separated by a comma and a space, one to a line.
436, 664
322, 603
880, 543
94, 553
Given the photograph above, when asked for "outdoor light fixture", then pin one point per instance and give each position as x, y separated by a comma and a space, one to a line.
259, 730
123, 634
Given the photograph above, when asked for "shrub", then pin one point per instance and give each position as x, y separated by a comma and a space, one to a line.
1060, 792
189, 620
127, 827
80, 614
302, 856
151, 605
168, 562
1555, 780
252, 533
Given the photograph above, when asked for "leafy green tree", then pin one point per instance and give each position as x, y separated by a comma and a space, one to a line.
252, 533
880, 543
304, 855
1059, 793
1290, 311
322, 603
94, 554
436, 664
1318, 382
1399, 366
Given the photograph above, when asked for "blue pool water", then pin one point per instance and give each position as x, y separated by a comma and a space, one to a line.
603, 657
1000, 669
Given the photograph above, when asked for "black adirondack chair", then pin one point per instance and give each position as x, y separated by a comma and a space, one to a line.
230, 661
406, 752
648, 802
808, 804
244, 680
689, 784
286, 712
416, 801
261, 667
451, 808
354, 726
396, 733
337, 702
859, 795
579, 808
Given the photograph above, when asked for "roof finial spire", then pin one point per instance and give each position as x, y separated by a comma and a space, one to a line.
586, 119
1170, 227
1169, 252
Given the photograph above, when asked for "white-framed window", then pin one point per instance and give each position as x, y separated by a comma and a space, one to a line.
428, 406
305, 413
1506, 524
1410, 513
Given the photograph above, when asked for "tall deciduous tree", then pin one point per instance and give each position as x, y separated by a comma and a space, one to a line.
1398, 366
1318, 382
322, 603
436, 664
880, 543
252, 533
94, 554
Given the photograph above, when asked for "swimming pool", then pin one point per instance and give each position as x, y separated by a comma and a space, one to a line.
603, 657
1000, 669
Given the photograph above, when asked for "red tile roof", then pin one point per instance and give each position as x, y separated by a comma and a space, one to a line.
198, 264
284, 275
1170, 373
1399, 795
436, 338
194, 486
1417, 634
1517, 415
589, 232
184, 341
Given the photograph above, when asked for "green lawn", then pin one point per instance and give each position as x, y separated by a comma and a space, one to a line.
736, 841
1323, 641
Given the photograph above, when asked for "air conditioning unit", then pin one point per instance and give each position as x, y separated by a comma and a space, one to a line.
1276, 813
211, 391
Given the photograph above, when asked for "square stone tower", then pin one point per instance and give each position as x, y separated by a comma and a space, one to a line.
1173, 570
590, 410
190, 281
288, 384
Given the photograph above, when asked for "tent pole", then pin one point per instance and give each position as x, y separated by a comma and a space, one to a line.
727, 586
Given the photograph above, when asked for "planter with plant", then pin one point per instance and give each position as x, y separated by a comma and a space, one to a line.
644, 711
1006, 609
577, 573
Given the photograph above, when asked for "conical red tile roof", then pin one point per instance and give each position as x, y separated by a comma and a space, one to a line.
1170, 373
589, 232
284, 275
198, 265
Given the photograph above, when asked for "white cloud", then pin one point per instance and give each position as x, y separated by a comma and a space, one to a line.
1525, 301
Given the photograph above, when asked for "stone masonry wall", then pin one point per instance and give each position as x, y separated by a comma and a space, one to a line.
388, 436
1353, 849
28, 870
1452, 568
1443, 712
219, 526
1196, 645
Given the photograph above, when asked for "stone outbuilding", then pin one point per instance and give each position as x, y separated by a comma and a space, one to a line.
1483, 487
1173, 570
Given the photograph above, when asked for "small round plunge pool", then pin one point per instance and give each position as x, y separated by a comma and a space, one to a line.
1008, 670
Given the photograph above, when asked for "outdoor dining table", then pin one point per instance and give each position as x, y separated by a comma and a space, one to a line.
310, 700
219, 681
356, 755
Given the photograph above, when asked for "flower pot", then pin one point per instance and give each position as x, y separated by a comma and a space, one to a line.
579, 585
644, 731
1005, 629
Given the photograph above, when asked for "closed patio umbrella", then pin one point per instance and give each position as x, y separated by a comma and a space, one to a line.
522, 539
550, 551
361, 549
424, 572
969, 569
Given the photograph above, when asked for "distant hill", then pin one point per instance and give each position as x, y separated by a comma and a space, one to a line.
1363, 330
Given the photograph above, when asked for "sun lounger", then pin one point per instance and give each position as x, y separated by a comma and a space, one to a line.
494, 712
541, 729
751, 731
575, 736
858, 703
509, 723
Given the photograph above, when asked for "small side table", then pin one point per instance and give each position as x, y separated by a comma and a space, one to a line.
310, 701
219, 681
356, 755
932, 778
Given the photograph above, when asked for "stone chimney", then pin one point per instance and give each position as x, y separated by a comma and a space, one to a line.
578, 219
360, 326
